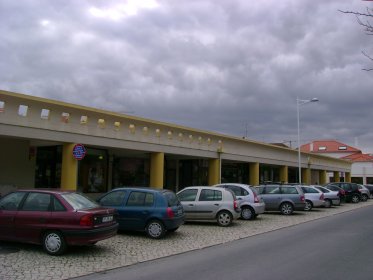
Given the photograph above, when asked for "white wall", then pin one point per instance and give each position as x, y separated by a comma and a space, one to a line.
362, 169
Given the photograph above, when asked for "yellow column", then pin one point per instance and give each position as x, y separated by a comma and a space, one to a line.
322, 177
254, 173
306, 176
284, 174
156, 170
336, 176
69, 169
214, 171
348, 177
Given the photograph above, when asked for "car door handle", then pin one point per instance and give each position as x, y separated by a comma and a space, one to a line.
216, 204
190, 204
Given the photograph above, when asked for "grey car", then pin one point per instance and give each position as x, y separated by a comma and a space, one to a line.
330, 197
283, 198
209, 203
365, 193
314, 197
250, 202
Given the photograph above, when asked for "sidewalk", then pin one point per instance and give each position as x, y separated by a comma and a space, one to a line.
30, 262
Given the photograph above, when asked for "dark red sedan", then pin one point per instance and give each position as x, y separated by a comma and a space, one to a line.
54, 219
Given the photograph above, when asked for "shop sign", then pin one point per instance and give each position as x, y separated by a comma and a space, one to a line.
79, 151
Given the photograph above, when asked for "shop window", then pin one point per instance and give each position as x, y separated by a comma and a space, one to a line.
92, 171
131, 172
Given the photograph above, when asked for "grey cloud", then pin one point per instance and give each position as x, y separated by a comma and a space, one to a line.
226, 66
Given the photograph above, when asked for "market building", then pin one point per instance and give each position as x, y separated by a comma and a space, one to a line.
47, 143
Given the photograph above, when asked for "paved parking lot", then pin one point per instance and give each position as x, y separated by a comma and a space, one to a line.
19, 261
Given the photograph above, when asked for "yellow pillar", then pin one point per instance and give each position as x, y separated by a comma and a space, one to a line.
348, 177
254, 173
284, 174
156, 170
69, 169
336, 176
306, 176
214, 171
322, 177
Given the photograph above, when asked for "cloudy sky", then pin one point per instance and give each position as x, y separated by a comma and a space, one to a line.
232, 66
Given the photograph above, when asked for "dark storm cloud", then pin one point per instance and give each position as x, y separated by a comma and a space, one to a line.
235, 67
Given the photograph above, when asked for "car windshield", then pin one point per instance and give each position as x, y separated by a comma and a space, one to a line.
78, 201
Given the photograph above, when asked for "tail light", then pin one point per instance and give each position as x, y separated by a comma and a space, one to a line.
170, 214
322, 196
235, 205
86, 220
302, 198
256, 198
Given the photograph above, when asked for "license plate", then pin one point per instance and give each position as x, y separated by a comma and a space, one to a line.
107, 219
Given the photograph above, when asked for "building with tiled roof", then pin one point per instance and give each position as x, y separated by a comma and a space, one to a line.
362, 164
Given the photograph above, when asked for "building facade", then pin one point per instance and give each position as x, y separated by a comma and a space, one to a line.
361, 164
47, 143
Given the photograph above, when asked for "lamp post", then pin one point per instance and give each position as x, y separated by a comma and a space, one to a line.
299, 103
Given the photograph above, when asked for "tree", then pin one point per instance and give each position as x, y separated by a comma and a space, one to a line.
364, 20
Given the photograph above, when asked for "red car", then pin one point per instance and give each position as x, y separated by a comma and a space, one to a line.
54, 219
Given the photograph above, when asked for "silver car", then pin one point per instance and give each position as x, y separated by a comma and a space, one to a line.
313, 197
330, 197
209, 203
283, 198
365, 193
250, 202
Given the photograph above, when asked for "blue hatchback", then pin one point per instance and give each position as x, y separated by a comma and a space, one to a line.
154, 211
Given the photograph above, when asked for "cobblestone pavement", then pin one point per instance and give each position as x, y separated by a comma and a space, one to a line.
30, 262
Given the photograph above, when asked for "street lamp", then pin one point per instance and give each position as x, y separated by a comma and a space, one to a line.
299, 103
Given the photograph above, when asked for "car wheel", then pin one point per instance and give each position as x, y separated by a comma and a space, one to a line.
355, 198
286, 208
247, 213
155, 229
54, 243
328, 203
364, 197
224, 218
308, 206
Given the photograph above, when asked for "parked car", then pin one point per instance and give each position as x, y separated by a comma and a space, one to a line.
330, 197
55, 219
154, 211
370, 188
251, 203
313, 197
283, 198
210, 203
352, 192
341, 192
365, 193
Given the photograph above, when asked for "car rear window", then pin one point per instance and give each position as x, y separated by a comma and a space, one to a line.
171, 198
78, 201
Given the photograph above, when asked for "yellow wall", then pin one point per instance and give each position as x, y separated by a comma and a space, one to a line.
69, 171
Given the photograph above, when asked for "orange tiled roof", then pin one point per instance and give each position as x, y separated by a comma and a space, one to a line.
359, 157
328, 146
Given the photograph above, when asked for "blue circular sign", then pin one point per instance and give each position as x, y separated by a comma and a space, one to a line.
79, 151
